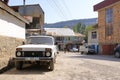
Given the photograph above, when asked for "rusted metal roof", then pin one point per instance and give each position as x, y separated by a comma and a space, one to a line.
59, 31
33, 30
62, 32
104, 3
79, 35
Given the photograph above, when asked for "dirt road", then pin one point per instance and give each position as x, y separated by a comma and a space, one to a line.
70, 66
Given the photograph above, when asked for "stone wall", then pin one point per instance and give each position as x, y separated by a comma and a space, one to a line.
7, 49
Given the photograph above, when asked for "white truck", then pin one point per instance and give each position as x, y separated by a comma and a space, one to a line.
39, 49
85, 49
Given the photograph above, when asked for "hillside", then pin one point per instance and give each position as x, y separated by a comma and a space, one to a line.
71, 23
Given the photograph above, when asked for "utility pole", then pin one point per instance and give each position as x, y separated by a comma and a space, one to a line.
24, 2
24, 7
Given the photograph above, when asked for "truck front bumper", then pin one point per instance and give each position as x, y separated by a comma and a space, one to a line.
32, 58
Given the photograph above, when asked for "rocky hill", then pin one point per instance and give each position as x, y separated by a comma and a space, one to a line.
71, 23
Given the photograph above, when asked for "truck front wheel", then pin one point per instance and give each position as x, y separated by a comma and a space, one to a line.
18, 65
51, 67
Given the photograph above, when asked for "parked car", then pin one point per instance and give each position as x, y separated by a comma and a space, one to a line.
117, 51
85, 49
39, 50
74, 49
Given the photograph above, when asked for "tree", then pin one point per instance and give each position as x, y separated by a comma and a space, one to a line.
86, 32
79, 28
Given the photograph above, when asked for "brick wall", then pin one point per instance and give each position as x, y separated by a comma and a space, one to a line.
117, 23
115, 37
101, 26
7, 49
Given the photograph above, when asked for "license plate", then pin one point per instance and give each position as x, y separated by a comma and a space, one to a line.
32, 59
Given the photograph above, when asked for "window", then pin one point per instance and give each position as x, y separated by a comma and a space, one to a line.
109, 21
94, 35
109, 15
34, 24
109, 29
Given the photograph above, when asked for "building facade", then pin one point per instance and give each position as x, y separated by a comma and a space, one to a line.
12, 33
35, 15
65, 37
108, 25
93, 39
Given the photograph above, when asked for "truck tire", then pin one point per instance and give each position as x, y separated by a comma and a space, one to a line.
18, 65
51, 65
82, 52
55, 59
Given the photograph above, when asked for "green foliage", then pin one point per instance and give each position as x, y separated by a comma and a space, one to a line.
79, 28
87, 29
65, 26
86, 32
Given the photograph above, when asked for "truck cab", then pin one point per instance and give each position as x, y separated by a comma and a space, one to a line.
39, 50
86, 49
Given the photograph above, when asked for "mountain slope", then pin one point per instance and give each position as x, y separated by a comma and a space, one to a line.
71, 23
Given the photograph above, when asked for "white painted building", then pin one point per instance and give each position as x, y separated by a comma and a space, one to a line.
12, 32
65, 37
12, 24
93, 39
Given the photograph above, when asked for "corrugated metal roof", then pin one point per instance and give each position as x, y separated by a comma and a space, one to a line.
79, 35
59, 31
29, 10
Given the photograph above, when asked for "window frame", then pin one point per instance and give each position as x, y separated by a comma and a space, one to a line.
94, 35
109, 21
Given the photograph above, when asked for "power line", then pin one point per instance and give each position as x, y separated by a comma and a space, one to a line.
56, 8
63, 8
67, 8
60, 10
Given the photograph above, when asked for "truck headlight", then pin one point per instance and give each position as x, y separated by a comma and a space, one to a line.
18, 53
48, 54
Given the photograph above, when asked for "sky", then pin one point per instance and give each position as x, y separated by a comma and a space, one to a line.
63, 10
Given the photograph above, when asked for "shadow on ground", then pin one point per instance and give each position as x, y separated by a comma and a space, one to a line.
8, 66
27, 69
96, 57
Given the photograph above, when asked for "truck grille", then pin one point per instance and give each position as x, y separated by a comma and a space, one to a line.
33, 54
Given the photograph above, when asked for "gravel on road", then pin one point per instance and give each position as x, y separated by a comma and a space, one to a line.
70, 66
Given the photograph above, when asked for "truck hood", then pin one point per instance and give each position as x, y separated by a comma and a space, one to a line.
35, 47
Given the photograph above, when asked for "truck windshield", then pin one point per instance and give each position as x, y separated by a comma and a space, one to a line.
40, 40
